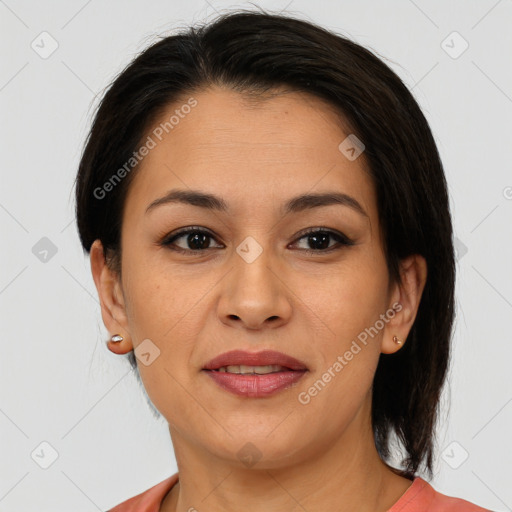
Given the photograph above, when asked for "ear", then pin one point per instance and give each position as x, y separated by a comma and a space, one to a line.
405, 300
113, 310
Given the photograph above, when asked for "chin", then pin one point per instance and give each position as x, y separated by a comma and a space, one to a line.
257, 450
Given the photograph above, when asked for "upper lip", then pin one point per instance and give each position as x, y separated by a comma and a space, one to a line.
266, 357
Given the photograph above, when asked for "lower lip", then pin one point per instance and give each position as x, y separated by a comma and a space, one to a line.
255, 386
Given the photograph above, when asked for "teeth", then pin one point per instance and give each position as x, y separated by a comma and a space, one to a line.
248, 370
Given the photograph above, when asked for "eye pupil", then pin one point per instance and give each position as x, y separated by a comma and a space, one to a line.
194, 238
323, 237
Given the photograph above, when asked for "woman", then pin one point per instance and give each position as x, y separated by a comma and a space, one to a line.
269, 230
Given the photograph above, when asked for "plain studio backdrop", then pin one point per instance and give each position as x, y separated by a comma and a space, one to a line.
76, 430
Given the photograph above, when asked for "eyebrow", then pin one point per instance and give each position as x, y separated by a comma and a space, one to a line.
294, 205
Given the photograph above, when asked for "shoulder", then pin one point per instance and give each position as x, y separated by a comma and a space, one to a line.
422, 497
149, 500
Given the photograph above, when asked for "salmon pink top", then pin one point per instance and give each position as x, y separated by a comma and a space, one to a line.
419, 497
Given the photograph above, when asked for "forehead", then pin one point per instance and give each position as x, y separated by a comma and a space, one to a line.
248, 150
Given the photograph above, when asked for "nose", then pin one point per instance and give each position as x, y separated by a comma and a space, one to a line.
254, 294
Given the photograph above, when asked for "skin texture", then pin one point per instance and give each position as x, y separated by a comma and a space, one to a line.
257, 155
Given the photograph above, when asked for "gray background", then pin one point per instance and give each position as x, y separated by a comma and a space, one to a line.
61, 386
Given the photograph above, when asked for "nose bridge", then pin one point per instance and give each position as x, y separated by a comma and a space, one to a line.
254, 292
253, 267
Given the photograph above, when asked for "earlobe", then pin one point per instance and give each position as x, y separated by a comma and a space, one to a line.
113, 309
407, 293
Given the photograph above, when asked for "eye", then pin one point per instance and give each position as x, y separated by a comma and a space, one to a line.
196, 241
321, 238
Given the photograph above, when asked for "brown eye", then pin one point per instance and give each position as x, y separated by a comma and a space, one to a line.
194, 240
319, 241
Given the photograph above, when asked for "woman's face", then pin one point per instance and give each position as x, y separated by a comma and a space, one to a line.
251, 283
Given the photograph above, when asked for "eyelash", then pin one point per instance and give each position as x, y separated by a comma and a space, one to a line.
342, 240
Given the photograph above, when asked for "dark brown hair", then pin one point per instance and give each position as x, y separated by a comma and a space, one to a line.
257, 52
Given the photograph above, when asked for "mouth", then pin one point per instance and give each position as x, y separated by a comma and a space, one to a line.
255, 374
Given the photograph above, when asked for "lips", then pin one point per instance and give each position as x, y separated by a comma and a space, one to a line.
264, 358
252, 384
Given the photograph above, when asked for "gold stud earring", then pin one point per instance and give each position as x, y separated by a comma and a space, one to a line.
397, 341
116, 338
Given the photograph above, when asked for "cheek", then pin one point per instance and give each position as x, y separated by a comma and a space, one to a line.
349, 298
164, 311
168, 308
350, 303
156, 297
